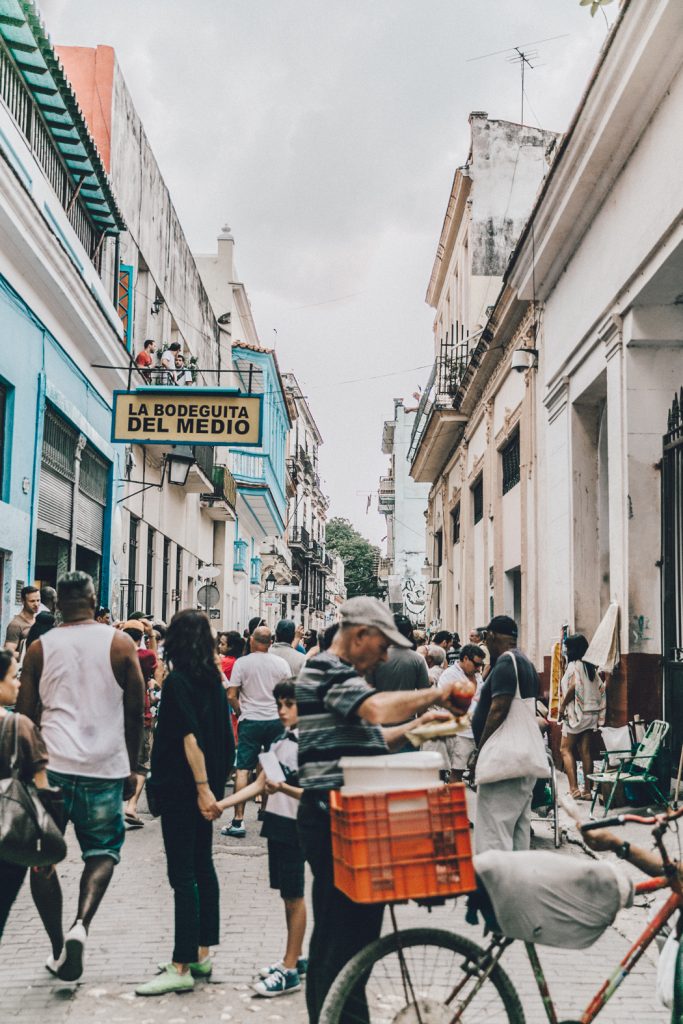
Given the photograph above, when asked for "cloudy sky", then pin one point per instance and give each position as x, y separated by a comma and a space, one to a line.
326, 133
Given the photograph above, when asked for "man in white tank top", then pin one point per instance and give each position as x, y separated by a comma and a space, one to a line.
82, 683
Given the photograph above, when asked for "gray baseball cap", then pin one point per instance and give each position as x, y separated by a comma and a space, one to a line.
368, 611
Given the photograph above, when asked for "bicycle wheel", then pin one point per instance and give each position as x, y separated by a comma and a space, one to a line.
425, 980
677, 1011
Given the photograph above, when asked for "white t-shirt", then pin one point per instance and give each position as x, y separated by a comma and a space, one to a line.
256, 676
286, 751
168, 359
454, 673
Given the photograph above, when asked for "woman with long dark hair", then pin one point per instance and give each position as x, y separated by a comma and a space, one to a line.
582, 712
193, 750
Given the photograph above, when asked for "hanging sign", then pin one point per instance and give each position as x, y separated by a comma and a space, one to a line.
186, 416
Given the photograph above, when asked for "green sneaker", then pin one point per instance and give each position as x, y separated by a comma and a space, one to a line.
202, 969
168, 980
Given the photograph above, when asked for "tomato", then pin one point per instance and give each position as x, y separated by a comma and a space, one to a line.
462, 692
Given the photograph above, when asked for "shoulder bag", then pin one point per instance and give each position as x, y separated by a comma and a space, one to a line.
516, 748
28, 835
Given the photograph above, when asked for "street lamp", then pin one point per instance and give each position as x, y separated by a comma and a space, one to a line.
270, 582
179, 464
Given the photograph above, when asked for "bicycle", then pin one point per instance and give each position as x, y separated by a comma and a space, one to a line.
433, 976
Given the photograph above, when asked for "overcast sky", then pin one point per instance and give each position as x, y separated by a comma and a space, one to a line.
326, 133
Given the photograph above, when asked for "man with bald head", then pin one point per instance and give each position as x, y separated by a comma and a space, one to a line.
250, 693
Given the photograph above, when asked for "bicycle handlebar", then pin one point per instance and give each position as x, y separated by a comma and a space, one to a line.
622, 819
590, 826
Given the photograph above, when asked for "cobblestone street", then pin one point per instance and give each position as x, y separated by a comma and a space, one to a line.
132, 933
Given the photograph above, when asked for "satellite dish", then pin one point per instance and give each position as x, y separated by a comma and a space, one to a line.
208, 572
208, 596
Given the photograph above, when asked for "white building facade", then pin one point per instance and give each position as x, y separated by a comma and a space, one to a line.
404, 505
470, 454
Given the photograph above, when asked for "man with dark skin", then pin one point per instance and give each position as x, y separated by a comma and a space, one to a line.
503, 808
92, 686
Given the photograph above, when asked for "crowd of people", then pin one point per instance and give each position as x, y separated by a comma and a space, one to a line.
103, 710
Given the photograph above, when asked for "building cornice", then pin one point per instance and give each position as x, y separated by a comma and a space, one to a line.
457, 204
639, 59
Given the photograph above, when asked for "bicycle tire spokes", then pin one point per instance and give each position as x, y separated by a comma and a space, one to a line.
418, 982
480, 968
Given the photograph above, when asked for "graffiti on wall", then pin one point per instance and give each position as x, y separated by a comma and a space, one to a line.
413, 598
640, 629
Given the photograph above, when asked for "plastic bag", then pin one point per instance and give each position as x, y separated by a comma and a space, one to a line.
666, 970
516, 748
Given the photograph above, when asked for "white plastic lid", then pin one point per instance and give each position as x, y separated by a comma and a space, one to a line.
420, 759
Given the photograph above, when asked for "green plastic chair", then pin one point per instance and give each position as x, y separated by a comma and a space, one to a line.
635, 766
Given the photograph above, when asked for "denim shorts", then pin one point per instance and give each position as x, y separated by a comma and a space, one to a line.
95, 806
254, 736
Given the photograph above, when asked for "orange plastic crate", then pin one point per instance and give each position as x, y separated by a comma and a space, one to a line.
409, 844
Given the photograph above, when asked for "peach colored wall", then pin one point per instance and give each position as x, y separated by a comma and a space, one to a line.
91, 73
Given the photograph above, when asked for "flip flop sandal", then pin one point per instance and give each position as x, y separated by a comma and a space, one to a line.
132, 821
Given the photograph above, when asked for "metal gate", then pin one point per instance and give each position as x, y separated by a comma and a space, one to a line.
672, 572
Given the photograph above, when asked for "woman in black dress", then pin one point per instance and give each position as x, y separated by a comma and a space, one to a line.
191, 756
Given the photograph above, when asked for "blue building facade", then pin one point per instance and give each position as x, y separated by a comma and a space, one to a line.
58, 322
260, 475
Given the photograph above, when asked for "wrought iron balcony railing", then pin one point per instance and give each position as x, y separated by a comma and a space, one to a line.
444, 380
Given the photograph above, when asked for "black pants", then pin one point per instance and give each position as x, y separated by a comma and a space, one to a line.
187, 841
11, 877
340, 927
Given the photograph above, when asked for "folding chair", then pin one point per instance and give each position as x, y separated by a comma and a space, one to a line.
635, 767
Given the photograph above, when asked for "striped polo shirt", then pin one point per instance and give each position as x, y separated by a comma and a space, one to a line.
328, 695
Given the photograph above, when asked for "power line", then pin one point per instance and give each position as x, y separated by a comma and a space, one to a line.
379, 376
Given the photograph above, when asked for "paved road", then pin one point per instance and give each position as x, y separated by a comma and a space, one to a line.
132, 932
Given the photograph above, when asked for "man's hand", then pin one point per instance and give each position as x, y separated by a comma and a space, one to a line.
130, 785
207, 804
451, 697
433, 715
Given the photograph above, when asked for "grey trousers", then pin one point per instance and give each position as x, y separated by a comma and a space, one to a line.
503, 816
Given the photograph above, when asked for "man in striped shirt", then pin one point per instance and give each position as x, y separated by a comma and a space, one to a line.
340, 715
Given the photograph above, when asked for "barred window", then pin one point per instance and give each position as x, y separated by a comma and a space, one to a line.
455, 523
478, 500
510, 459
438, 548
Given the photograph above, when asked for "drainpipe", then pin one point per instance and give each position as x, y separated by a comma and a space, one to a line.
117, 257
80, 445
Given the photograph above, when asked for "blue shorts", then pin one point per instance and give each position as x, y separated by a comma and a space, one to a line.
254, 736
95, 806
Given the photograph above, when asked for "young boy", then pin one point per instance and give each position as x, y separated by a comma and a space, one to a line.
285, 859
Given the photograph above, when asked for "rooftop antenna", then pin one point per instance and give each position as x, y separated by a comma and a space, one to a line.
522, 55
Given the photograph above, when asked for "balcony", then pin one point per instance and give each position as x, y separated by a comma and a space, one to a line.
386, 496
329, 563
239, 558
299, 538
388, 436
200, 476
275, 551
438, 426
258, 483
315, 550
255, 571
221, 504
44, 109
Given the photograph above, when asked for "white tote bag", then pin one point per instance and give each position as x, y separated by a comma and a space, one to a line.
516, 748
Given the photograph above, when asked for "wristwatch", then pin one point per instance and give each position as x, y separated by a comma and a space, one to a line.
623, 851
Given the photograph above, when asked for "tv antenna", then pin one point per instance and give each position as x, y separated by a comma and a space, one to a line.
524, 57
